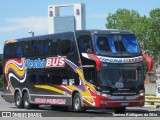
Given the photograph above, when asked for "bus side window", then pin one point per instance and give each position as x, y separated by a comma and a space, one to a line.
53, 48
19, 51
7, 51
66, 43
10, 51
59, 46
43, 78
32, 78
13, 51
40, 49
29, 52
85, 44
56, 79
26, 50
66, 46
71, 77
46, 49
31, 47
34, 49
23, 45
53, 45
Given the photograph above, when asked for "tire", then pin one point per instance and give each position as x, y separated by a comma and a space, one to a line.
120, 110
77, 104
26, 102
18, 100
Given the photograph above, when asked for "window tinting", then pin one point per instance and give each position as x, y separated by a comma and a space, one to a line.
19, 51
102, 44
43, 48
10, 51
65, 43
84, 43
53, 47
61, 44
30, 49
116, 44
54, 77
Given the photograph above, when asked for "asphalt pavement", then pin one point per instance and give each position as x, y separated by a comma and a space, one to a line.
8, 111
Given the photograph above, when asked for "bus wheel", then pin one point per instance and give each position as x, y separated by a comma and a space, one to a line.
18, 100
77, 105
120, 110
26, 102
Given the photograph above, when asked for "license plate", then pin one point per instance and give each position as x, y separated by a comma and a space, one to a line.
124, 104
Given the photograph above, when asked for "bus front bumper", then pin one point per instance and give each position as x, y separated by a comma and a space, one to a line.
125, 103
120, 101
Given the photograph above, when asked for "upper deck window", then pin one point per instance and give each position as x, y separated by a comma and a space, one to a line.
85, 44
116, 44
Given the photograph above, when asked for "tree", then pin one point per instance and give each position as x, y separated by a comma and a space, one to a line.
147, 29
122, 19
154, 33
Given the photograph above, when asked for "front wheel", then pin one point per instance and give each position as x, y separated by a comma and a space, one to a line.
77, 104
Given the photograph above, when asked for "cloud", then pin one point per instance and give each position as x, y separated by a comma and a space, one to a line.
37, 24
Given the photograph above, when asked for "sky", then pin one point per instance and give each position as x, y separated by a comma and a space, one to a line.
18, 17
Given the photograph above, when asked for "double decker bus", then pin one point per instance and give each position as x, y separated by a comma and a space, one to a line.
82, 69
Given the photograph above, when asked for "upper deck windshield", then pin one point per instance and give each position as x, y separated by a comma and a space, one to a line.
116, 44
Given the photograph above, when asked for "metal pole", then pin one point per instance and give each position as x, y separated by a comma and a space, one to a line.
31, 33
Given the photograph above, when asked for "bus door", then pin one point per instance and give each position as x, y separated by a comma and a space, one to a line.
67, 48
85, 46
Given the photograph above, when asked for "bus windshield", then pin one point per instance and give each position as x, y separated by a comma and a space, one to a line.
121, 75
116, 44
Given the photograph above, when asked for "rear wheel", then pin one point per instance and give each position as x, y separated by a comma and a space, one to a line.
120, 110
77, 104
26, 102
18, 100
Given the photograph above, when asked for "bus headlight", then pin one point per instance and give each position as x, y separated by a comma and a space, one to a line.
98, 93
102, 94
141, 92
104, 102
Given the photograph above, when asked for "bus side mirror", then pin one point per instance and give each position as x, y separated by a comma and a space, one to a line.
150, 62
97, 60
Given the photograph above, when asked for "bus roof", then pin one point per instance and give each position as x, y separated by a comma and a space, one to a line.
107, 31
